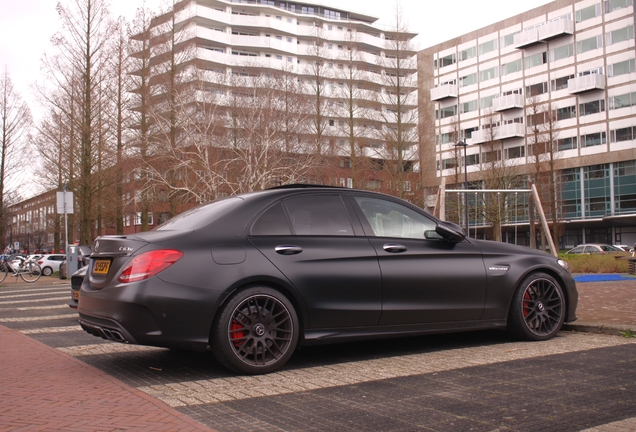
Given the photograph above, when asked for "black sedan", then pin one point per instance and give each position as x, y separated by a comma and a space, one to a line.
254, 276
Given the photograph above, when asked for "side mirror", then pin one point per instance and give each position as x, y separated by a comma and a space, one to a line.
432, 235
450, 232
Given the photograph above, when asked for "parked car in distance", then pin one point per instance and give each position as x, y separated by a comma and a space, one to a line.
595, 249
51, 263
76, 282
255, 276
625, 248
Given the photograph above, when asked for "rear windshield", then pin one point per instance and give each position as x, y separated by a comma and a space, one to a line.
200, 216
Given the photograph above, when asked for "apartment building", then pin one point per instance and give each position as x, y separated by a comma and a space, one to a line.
562, 73
337, 55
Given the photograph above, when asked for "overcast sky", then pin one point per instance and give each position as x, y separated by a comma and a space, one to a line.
26, 26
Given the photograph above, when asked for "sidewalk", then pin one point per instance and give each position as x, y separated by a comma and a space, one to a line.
44, 389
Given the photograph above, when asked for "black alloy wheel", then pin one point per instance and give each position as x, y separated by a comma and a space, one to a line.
538, 308
257, 331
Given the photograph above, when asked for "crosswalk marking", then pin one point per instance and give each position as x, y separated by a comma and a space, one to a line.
51, 330
42, 318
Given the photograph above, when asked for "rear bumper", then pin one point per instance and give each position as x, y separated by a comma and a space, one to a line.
151, 312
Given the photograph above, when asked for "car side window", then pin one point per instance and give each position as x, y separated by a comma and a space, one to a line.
272, 222
319, 215
388, 219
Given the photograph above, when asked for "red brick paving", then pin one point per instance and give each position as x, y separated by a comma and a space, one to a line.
610, 303
42, 389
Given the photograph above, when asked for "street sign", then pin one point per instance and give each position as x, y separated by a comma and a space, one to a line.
65, 202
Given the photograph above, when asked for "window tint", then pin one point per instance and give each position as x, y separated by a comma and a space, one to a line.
388, 219
272, 222
319, 215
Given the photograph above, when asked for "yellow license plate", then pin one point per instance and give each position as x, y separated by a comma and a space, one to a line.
101, 267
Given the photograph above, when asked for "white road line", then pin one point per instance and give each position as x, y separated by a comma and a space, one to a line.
33, 289
43, 318
60, 306
48, 299
51, 330
290, 381
106, 348
34, 294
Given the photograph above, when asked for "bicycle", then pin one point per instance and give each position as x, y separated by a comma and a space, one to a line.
28, 270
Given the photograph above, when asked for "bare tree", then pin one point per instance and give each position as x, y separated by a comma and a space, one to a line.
77, 71
399, 104
356, 97
16, 121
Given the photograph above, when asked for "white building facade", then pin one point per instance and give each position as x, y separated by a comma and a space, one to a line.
252, 38
567, 69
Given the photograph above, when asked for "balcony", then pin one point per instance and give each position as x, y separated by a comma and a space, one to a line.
555, 29
527, 38
506, 131
586, 83
543, 33
508, 102
444, 91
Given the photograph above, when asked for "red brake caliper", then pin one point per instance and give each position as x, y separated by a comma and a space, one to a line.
237, 332
526, 304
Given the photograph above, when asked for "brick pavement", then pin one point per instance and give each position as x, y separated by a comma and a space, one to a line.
42, 388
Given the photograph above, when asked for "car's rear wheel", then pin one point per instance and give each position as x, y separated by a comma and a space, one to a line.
538, 308
47, 271
256, 331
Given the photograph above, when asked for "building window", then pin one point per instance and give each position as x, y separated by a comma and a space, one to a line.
565, 113
508, 40
488, 74
619, 35
621, 68
589, 44
138, 218
593, 107
448, 60
515, 152
535, 60
588, 13
511, 67
622, 101
446, 138
566, 143
537, 89
593, 139
468, 53
623, 134
561, 83
468, 80
625, 186
487, 47
468, 133
486, 102
612, 5
448, 111
126, 219
469, 106
562, 52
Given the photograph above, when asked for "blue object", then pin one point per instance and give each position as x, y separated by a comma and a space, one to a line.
602, 277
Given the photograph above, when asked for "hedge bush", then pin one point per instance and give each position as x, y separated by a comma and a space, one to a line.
595, 263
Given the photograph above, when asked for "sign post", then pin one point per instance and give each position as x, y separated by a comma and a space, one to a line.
65, 206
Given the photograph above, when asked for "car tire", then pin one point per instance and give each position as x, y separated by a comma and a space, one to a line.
538, 308
47, 271
255, 332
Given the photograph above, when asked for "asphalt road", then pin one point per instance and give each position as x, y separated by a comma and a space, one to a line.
480, 381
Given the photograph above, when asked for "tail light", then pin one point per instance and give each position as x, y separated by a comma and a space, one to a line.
149, 264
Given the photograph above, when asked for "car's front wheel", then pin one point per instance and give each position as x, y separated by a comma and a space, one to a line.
256, 331
538, 308
47, 271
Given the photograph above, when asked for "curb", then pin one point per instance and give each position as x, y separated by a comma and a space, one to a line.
597, 328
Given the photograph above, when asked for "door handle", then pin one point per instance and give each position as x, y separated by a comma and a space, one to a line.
394, 248
288, 249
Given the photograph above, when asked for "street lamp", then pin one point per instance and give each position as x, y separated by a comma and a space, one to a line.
463, 144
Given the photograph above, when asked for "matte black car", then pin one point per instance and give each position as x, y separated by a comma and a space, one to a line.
254, 276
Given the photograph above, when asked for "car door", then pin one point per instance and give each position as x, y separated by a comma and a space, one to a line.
424, 280
312, 241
